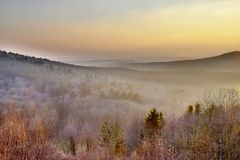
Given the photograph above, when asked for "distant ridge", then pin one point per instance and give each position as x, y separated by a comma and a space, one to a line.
233, 54
10, 56
24, 58
229, 55
224, 62
15, 57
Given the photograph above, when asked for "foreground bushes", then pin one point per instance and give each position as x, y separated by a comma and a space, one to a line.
208, 130
212, 134
19, 142
154, 149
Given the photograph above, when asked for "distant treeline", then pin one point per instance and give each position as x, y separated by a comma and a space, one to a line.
24, 58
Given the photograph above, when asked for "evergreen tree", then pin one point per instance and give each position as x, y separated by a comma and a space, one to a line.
190, 109
154, 123
197, 108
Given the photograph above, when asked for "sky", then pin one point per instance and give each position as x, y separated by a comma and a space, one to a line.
71, 29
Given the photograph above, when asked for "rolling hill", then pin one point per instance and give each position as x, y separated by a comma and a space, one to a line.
227, 62
10, 56
224, 62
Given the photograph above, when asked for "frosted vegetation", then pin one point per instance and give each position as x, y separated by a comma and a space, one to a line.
50, 110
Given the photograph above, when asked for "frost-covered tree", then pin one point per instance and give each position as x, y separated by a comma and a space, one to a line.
112, 138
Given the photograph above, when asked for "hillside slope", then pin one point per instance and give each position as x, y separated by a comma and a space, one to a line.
225, 62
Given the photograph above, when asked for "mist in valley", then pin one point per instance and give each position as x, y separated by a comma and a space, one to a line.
119, 80
74, 101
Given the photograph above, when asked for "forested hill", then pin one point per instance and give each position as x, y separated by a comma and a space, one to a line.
224, 62
10, 56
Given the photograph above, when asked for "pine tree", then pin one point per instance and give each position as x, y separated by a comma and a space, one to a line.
190, 109
154, 123
197, 108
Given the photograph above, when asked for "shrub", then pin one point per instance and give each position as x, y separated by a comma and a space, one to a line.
17, 141
112, 138
154, 150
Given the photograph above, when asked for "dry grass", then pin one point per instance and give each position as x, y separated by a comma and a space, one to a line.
19, 143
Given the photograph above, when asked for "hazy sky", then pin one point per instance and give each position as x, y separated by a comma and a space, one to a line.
120, 28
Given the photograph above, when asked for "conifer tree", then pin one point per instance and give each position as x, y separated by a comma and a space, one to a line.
197, 108
190, 109
154, 123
